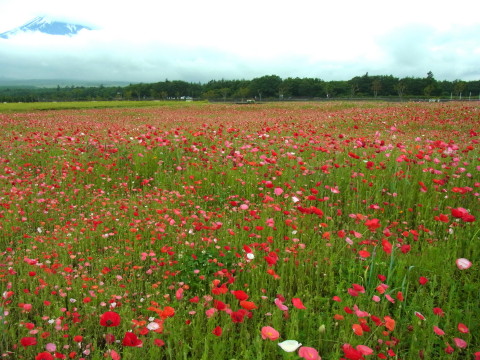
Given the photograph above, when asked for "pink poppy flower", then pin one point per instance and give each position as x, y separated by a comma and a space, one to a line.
365, 350
463, 328
460, 343
269, 333
280, 305
463, 263
308, 353
438, 331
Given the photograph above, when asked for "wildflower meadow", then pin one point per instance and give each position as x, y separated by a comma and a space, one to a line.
311, 231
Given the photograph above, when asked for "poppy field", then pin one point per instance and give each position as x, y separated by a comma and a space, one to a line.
216, 231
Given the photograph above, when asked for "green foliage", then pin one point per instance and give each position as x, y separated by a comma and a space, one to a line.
264, 87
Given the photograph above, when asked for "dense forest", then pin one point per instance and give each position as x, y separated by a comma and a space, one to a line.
269, 87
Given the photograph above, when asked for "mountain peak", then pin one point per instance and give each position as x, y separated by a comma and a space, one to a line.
45, 25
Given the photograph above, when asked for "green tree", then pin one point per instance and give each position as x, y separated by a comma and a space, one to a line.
459, 87
224, 91
292, 86
242, 93
337, 88
431, 87
388, 84
376, 86
400, 87
266, 86
354, 87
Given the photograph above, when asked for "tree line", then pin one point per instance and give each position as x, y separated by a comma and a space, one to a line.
268, 87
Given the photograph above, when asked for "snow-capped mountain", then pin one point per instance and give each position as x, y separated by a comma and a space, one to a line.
47, 26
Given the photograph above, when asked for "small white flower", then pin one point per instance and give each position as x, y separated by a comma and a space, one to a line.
289, 345
250, 256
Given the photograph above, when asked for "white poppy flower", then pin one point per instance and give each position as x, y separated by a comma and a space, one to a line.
289, 345
153, 326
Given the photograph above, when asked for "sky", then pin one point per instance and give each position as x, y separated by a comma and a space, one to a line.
198, 41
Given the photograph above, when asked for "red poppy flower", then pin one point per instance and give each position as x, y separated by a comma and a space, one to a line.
387, 246
110, 319
298, 303
195, 299
438, 311
422, 280
239, 315
109, 338
44, 356
376, 320
389, 323
461, 213
449, 349
219, 305
248, 305
357, 329
159, 342
351, 353
78, 338
28, 341
358, 288
217, 331
240, 295
364, 254
130, 339
372, 224
420, 316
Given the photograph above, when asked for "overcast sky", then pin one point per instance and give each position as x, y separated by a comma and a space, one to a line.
197, 41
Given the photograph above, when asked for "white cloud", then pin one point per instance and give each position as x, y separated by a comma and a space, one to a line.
198, 41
